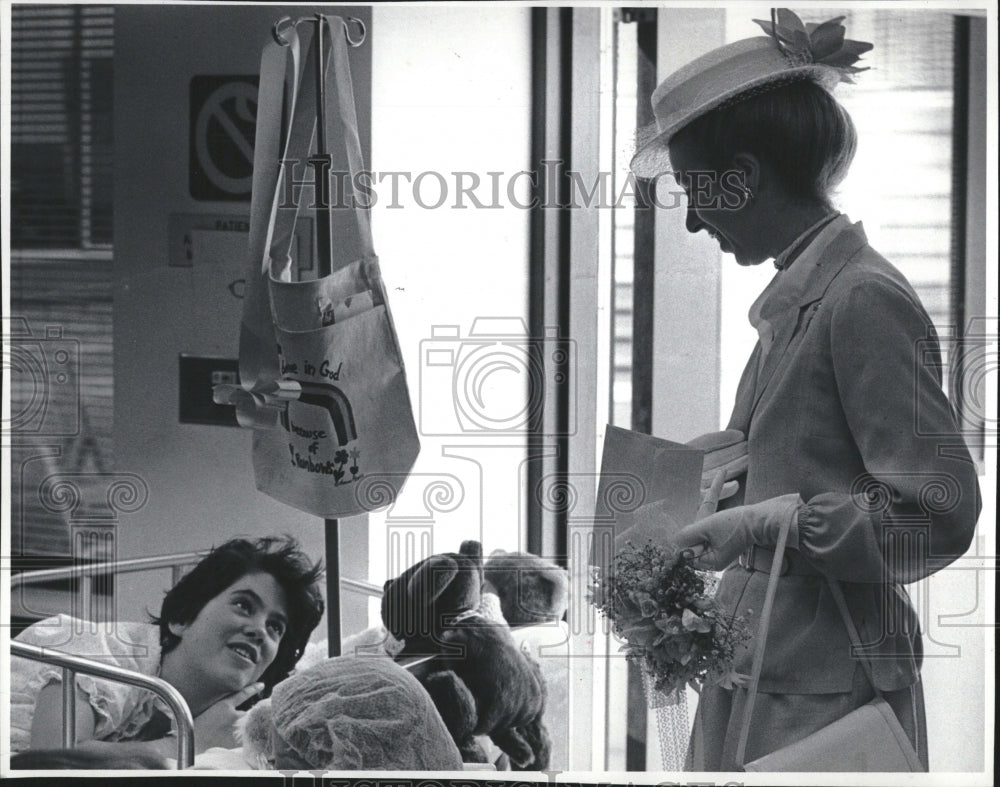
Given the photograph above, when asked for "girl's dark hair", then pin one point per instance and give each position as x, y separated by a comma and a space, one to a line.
224, 565
797, 128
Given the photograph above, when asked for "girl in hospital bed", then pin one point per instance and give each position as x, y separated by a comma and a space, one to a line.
231, 629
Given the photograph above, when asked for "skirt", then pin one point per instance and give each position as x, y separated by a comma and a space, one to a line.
781, 719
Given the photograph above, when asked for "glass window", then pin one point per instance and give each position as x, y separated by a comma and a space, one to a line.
61, 138
900, 182
445, 117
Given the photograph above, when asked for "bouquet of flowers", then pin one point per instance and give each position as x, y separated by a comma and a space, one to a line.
659, 604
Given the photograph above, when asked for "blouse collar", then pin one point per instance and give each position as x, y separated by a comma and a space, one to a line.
787, 257
789, 283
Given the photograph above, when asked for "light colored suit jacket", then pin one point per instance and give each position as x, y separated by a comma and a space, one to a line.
847, 410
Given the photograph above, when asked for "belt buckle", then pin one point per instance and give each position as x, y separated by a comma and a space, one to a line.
746, 559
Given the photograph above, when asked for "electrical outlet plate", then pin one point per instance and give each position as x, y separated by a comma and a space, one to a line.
197, 375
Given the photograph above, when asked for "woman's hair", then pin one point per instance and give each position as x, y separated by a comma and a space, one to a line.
803, 134
224, 565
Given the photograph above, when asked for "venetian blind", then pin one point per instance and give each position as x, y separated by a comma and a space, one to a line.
59, 330
61, 136
900, 181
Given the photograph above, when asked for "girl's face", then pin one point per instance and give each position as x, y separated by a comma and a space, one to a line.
236, 635
717, 204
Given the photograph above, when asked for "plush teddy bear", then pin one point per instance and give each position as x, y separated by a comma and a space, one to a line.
531, 589
480, 680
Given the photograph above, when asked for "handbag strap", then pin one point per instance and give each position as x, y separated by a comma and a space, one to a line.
764, 625
272, 218
762, 629
258, 361
340, 114
349, 122
852, 632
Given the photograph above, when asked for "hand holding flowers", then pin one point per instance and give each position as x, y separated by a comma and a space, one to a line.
660, 605
723, 536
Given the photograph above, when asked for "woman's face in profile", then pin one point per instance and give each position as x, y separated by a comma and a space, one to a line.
716, 203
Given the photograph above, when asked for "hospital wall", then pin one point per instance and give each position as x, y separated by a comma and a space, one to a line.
175, 296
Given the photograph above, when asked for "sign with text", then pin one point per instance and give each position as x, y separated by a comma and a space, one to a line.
211, 238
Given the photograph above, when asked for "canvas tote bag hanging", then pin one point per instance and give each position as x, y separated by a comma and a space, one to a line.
322, 383
868, 739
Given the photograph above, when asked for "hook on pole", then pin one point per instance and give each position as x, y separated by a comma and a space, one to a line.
354, 41
362, 32
279, 29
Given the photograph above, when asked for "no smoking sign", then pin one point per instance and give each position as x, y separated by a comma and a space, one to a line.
223, 119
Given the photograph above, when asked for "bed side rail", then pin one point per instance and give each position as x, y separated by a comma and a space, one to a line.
71, 665
177, 563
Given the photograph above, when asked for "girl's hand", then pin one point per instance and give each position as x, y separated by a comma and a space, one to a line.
216, 725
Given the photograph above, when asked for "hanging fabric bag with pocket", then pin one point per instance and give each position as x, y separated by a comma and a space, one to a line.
322, 383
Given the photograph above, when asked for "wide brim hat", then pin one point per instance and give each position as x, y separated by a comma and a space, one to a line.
792, 51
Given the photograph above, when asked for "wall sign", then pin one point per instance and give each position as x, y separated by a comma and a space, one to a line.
223, 120
214, 239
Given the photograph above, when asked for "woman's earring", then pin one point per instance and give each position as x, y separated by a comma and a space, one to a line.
747, 193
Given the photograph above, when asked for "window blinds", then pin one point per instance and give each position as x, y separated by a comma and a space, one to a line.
61, 126
58, 336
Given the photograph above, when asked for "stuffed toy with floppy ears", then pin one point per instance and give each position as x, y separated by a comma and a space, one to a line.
531, 589
481, 682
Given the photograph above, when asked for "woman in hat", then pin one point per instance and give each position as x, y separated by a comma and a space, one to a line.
841, 400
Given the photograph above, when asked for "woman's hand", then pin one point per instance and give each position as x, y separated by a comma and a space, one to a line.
725, 535
216, 725
727, 484
725, 455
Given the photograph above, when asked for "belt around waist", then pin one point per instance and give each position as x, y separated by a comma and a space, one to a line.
761, 558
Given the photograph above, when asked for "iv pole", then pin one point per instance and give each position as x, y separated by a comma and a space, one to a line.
322, 163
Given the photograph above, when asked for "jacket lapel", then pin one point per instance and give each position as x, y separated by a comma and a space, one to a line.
743, 406
787, 315
785, 323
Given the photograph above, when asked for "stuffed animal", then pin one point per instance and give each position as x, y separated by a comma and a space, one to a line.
531, 589
534, 594
480, 680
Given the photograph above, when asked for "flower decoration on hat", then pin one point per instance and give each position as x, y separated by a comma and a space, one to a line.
822, 44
